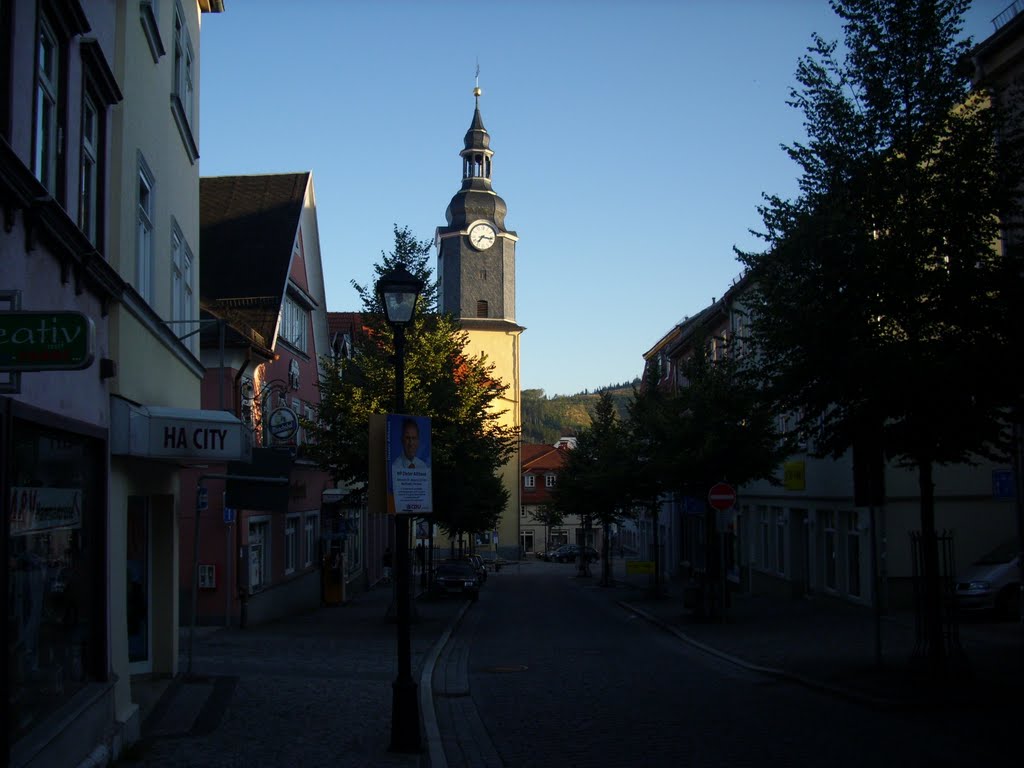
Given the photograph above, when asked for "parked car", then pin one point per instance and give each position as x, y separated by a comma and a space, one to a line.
456, 577
568, 553
478, 564
545, 554
991, 583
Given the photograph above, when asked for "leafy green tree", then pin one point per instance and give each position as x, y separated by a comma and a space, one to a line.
881, 303
725, 428
442, 380
720, 426
550, 517
594, 481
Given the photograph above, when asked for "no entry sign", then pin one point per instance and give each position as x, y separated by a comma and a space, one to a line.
722, 496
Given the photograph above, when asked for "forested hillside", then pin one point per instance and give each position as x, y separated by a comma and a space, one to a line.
545, 419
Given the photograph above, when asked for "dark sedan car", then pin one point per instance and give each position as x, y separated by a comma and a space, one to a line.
457, 577
569, 552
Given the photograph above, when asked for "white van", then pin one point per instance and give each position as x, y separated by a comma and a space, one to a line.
991, 583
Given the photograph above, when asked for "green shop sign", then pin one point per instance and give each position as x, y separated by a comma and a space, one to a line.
46, 341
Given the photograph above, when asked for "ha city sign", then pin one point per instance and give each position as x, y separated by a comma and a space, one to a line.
46, 341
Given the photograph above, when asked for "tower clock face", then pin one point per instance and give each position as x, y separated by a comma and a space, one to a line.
481, 236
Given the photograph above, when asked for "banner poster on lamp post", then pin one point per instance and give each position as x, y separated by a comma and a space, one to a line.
408, 460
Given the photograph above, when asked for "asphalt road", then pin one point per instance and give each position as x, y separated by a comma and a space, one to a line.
559, 673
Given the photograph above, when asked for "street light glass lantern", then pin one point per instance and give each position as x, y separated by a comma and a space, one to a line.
398, 291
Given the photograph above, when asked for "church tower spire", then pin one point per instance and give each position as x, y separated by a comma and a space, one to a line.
476, 253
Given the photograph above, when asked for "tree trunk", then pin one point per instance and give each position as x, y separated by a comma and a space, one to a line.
932, 587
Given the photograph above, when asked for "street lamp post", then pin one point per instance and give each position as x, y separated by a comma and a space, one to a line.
398, 291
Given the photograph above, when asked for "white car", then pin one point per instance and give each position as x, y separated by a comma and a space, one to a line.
991, 583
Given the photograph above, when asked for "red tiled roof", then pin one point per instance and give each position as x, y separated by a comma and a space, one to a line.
536, 457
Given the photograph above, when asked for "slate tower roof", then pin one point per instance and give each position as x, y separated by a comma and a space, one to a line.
476, 200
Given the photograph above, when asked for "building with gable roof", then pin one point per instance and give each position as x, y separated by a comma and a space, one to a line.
99, 110
264, 306
541, 464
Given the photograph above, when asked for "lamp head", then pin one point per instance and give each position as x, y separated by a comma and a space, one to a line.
398, 291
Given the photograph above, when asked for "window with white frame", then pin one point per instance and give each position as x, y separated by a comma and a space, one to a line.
294, 319
291, 543
830, 554
853, 575
182, 292
207, 576
549, 481
144, 232
259, 554
780, 539
88, 180
183, 85
312, 527
764, 550
529, 481
48, 128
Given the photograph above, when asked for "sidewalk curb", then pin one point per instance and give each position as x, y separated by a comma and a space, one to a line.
435, 747
781, 674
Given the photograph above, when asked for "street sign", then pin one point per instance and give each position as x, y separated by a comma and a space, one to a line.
722, 496
229, 515
202, 499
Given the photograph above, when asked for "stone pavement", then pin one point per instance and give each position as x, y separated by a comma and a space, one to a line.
313, 689
316, 688
839, 647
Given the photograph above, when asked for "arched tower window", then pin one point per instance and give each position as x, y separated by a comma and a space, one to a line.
481, 308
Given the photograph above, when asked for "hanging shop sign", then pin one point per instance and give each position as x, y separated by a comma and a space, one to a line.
46, 341
283, 424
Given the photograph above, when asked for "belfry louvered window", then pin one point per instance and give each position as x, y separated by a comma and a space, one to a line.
481, 308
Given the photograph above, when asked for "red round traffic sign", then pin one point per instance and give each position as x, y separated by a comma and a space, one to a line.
722, 496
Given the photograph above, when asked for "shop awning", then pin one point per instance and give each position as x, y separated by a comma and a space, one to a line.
177, 434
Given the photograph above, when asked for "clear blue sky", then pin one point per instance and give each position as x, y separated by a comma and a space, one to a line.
633, 140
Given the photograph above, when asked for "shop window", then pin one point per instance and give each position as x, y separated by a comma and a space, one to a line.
55, 571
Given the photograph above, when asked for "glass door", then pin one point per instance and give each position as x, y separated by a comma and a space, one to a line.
138, 586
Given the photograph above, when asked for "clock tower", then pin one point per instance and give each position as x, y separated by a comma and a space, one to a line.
476, 270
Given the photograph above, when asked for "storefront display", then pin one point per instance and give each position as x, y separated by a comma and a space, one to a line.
55, 505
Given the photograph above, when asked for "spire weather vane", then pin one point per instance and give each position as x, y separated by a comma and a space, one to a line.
476, 83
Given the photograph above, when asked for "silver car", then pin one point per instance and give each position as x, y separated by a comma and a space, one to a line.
991, 583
